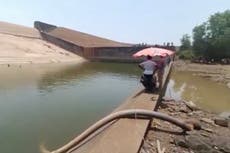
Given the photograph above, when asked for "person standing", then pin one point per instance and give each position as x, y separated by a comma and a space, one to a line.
160, 72
149, 68
167, 59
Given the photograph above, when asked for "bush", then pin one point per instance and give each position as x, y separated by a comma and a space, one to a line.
186, 54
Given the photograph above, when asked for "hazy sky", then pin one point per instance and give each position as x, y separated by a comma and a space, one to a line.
131, 21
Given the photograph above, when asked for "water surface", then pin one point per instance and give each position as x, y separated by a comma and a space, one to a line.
207, 94
53, 103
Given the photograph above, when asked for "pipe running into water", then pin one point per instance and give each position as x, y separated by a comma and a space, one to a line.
130, 113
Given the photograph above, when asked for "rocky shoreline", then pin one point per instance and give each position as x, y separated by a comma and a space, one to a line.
210, 134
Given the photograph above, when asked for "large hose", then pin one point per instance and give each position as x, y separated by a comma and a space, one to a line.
131, 113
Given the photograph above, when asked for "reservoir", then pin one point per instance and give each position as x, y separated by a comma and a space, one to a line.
51, 104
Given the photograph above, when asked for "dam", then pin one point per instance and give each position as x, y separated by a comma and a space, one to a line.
45, 85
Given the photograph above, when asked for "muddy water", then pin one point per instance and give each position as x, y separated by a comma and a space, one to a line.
207, 94
51, 104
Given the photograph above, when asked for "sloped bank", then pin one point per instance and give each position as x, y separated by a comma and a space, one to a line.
24, 50
24, 45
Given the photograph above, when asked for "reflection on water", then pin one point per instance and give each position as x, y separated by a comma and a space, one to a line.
207, 94
85, 72
51, 104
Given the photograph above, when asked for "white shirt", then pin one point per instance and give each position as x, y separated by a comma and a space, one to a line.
149, 66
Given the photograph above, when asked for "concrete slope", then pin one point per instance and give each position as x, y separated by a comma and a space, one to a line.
83, 39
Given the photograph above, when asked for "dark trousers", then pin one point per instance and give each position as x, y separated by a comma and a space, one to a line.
149, 77
148, 81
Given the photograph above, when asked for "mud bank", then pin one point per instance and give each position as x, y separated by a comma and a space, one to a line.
218, 73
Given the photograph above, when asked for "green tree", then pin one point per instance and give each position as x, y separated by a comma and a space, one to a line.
212, 38
185, 42
185, 51
200, 42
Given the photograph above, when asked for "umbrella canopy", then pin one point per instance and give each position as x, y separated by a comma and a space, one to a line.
153, 51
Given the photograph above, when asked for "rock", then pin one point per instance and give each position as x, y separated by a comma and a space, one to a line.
199, 144
191, 105
225, 115
190, 127
205, 134
198, 112
195, 123
172, 141
181, 142
222, 143
164, 105
155, 123
207, 130
183, 109
171, 110
207, 120
222, 122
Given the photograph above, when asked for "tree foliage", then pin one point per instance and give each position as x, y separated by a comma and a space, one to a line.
185, 42
212, 38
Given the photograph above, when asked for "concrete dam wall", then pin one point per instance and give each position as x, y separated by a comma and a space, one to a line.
89, 46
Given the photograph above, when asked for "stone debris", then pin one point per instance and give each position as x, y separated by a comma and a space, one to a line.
206, 136
207, 120
207, 130
222, 122
191, 105
195, 123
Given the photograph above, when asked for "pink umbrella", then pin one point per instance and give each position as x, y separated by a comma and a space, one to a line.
153, 51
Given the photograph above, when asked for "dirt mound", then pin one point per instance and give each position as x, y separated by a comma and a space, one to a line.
18, 30
17, 50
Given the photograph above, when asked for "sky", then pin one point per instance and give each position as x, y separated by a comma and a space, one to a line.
131, 21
